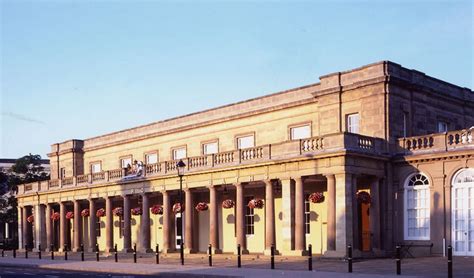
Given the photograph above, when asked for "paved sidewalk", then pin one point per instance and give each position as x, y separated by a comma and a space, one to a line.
174, 270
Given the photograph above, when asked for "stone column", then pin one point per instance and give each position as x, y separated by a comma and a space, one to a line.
40, 228
145, 225
27, 233
77, 226
92, 225
188, 222
213, 222
240, 217
21, 234
288, 220
331, 217
299, 216
356, 231
127, 225
269, 217
109, 225
375, 213
49, 227
62, 226
166, 222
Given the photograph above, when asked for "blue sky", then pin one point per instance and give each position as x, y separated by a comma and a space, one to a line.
78, 69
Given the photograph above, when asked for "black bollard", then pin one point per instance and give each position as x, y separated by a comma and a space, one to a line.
115, 253
65, 252
210, 254
450, 261
51, 248
272, 256
310, 257
39, 251
82, 252
97, 252
349, 258
157, 254
135, 253
14, 252
239, 264
3, 252
398, 260
26, 251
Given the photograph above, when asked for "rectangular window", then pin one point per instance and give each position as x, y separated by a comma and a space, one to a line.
307, 213
121, 226
249, 217
418, 214
97, 227
125, 161
300, 132
245, 142
210, 148
442, 127
151, 158
96, 167
353, 123
63, 173
179, 153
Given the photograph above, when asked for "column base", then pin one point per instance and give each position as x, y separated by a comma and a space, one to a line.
294, 253
268, 252
127, 250
168, 251
216, 251
149, 250
189, 251
242, 251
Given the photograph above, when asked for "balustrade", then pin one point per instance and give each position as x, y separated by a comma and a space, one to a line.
251, 153
311, 144
152, 168
98, 176
365, 142
67, 181
462, 137
115, 174
196, 162
82, 179
53, 183
418, 143
223, 158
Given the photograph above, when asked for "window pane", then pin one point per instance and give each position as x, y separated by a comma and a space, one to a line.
125, 162
300, 132
179, 153
442, 127
245, 142
95, 168
353, 123
151, 158
210, 148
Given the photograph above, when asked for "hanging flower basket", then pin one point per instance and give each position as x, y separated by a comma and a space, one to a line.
316, 197
364, 197
85, 213
30, 219
202, 206
55, 216
177, 208
255, 203
100, 212
69, 215
228, 204
157, 209
137, 211
118, 211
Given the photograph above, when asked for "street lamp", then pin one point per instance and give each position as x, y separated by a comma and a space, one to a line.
180, 167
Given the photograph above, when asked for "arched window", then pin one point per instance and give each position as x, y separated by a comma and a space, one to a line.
417, 208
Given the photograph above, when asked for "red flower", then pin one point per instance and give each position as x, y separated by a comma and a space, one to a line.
227, 204
364, 197
85, 212
202, 206
55, 216
316, 197
100, 213
255, 203
30, 219
118, 211
137, 211
157, 209
178, 208
69, 215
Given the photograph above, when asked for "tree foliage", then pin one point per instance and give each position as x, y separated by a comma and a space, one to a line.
25, 170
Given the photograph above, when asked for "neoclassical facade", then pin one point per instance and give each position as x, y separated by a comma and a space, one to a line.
373, 157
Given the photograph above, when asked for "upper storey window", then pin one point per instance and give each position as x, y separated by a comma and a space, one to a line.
179, 153
126, 162
151, 158
442, 126
352, 121
63, 173
210, 148
96, 167
244, 142
300, 132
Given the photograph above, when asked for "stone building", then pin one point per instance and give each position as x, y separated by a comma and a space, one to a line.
375, 156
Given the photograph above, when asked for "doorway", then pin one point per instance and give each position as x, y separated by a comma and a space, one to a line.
462, 204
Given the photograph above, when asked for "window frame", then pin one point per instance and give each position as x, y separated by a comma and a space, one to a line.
243, 135
204, 143
173, 149
348, 126
249, 214
146, 154
441, 122
62, 172
407, 187
307, 214
125, 157
94, 163
298, 125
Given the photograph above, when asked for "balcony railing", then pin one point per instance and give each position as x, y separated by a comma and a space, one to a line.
459, 139
261, 154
